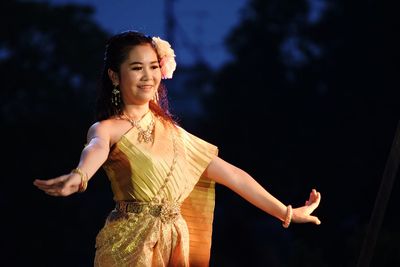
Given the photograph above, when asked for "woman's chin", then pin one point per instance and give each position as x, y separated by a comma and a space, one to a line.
143, 99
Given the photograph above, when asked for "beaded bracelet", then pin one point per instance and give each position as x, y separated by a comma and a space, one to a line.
84, 179
288, 217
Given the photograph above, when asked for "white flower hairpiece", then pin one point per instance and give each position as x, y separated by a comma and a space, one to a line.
167, 57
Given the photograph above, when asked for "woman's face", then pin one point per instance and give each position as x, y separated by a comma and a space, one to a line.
140, 75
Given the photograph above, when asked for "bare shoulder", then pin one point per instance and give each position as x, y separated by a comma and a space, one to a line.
100, 128
109, 130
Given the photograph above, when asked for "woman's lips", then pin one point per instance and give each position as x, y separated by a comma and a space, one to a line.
146, 87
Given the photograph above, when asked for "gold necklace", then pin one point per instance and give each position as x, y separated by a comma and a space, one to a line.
143, 135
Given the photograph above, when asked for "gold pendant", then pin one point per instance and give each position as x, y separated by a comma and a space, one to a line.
145, 136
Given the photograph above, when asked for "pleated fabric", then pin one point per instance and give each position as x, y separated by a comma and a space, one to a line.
137, 172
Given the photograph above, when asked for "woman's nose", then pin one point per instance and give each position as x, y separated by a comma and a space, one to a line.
146, 73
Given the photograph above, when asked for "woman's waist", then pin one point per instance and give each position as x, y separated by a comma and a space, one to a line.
167, 210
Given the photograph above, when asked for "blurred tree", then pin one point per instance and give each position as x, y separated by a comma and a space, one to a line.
50, 59
304, 104
49, 54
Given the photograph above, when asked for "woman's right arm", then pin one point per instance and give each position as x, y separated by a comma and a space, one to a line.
92, 157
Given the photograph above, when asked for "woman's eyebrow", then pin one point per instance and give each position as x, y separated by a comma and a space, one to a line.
135, 63
140, 63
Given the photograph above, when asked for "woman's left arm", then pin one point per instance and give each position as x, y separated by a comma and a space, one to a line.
244, 185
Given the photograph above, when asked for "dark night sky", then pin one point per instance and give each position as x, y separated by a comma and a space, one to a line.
196, 23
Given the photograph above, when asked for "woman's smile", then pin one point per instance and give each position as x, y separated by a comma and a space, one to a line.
146, 87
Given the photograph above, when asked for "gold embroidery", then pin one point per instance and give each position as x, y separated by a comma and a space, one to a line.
167, 211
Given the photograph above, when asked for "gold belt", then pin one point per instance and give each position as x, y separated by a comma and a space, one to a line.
167, 211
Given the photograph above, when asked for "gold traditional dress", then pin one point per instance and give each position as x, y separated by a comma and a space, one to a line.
164, 208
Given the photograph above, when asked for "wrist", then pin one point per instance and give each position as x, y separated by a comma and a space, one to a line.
84, 179
288, 217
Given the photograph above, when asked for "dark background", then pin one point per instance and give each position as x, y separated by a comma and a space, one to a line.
302, 105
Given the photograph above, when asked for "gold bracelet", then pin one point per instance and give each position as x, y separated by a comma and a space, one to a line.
288, 219
84, 179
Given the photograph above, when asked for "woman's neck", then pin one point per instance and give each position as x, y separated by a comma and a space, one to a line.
136, 112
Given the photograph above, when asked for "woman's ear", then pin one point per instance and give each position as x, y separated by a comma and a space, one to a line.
113, 76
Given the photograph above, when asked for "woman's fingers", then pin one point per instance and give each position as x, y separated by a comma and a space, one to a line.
314, 219
49, 187
50, 182
313, 195
303, 214
58, 182
62, 191
312, 204
55, 187
315, 198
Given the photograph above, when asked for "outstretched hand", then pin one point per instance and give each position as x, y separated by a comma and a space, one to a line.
63, 185
303, 214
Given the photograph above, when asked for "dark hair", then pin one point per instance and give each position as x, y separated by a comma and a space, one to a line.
116, 52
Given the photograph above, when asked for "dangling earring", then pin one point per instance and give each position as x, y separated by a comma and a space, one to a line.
116, 96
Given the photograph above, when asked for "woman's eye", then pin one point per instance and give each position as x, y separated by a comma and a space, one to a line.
155, 67
136, 68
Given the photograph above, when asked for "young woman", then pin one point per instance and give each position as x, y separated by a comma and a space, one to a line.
162, 176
